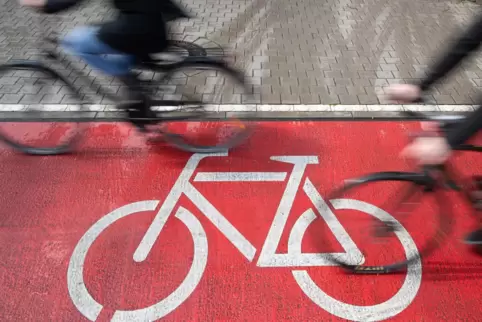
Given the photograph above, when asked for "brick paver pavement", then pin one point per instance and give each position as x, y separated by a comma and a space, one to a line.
299, 51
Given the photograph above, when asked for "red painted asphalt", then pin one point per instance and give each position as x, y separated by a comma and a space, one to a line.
74, 231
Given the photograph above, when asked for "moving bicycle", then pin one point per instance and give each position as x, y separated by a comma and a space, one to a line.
118, 48
432, 150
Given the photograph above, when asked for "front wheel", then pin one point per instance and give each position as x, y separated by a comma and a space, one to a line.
398, 198
191, 103
36, 127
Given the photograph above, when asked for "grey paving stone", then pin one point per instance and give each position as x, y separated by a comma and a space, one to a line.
295, 43
368, 99
30, 89
52, 99
288, 98
31, 99
67, 99
8, 80
310, 99
270, 98
444, 99
348, 99
330, 99
10, 89
10, 98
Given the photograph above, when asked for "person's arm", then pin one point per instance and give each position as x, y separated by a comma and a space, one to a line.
463, 46
49, 6
54, 6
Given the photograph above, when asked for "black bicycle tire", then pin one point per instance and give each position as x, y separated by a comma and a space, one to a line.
419, 181
69, 146
177, 140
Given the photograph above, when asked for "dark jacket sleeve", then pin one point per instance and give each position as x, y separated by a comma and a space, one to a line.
460, 48
466, 129
54, 6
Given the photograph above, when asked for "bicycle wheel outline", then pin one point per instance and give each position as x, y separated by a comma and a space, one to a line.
49, 74
391, 307
91, 309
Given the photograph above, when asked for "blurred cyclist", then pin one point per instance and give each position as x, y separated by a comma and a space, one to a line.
437, 149
138, 29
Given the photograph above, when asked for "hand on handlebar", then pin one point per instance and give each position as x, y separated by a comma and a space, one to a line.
429, 150
428, 147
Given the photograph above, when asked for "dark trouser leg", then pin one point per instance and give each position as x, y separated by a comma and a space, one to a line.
83, 42
139, 107
475, 237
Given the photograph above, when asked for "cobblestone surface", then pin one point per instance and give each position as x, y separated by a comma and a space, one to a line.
294, 52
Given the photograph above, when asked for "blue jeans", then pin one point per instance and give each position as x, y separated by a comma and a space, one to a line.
83, 42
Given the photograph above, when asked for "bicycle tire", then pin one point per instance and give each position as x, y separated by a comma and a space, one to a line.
43, 72
198, 113
418, 183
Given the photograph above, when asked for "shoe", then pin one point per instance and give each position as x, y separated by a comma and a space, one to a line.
474, 238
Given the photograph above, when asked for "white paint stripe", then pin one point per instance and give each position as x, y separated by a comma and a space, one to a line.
239, 176
187, 286
79, 294
295, 241
165, 210
378, 312
354, 255
268, 256
220, 222
267, 108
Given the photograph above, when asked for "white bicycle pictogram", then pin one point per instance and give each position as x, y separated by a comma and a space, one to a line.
268, 257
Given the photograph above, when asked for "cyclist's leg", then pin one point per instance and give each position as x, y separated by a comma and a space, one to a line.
83, 42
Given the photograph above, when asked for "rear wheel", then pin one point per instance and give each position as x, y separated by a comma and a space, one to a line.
37, 128
191, 103
403, 202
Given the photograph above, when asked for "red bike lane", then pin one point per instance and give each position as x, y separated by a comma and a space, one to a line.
124, 231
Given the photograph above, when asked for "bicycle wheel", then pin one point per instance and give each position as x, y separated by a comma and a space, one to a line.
189, 103
39, 128
429, 222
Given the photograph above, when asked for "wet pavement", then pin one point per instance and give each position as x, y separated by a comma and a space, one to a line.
294, 52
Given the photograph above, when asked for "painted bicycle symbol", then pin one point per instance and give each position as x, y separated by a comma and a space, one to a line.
294, 257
